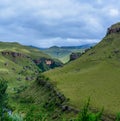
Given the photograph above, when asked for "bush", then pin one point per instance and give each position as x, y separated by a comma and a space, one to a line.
31, 116
118, 117
3, 99
87, 115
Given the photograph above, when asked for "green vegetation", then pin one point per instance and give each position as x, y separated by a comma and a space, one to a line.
60, 93
95, 74
42, 102
3, 99
32, 54
16, 47
87, 115
63, 53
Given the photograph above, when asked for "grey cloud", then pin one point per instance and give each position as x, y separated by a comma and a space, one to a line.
40, 22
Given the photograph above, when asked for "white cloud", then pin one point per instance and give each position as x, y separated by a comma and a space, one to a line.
113, 12
60, 22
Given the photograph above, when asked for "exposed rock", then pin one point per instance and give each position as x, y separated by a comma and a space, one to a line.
64, 108
74, 56
48, 62
38, 61
13, 54
113, 30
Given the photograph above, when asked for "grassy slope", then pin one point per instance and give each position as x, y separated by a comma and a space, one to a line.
14, 85
14, 73
12, 70
96, 74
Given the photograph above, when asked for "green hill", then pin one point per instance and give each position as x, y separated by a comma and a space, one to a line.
63, 53
96, 74
16, 47
44, 61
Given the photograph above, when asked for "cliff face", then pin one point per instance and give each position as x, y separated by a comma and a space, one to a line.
74, 56
13, 54
43, 63
114, 29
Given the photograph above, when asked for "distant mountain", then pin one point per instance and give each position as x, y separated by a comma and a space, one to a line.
80, 47
96, 74
63, 53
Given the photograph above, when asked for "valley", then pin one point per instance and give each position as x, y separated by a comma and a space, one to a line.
42, 88
63, 53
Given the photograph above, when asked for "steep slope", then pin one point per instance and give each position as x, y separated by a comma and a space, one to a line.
95, 74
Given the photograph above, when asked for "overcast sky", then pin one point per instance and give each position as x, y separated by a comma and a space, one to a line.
45, 23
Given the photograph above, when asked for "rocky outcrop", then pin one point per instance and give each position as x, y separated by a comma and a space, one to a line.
46, 61
113, 30
45, 64
74, 56
13, 54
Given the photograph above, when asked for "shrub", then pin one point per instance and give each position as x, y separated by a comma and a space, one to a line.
87, 115
118, 117
3, 98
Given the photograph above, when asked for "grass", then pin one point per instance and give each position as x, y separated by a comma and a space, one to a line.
14, 72
62, 54
95, 74
16, 47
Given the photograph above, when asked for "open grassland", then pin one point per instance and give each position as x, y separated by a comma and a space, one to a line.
96, 74
100, 82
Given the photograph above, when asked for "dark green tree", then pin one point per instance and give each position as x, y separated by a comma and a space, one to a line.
3, 98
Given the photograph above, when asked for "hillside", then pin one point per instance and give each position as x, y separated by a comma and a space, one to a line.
96, 74
63, 53
20, 66
16, 47
18, 70
44, 61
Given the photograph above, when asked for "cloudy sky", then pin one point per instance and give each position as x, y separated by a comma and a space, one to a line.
45, 23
